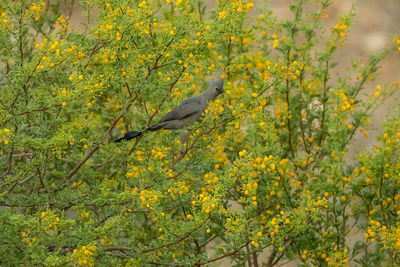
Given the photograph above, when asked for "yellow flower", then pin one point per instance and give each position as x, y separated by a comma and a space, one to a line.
272, 166
276, 43
254, 243
143, 3
222, 14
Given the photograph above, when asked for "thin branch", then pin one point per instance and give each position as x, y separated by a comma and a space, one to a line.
184, 153
105, 138
225, 255
324, 100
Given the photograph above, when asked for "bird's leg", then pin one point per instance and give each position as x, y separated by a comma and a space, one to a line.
184, 138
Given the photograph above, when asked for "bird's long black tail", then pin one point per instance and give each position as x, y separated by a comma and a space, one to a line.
133, 134
129, 135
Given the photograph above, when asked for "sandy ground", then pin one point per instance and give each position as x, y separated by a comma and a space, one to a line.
373, 27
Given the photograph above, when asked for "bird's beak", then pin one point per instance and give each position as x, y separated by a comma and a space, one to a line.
222, 90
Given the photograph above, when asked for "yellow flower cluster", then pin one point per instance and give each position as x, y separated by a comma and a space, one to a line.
377, 91
27, 239
159, 154
257, 238
148, 198
208, 203
291, 72
5, 135
135, 172
179, 187
57, 53
257, 166
222, 14
83, 256
304, 254
182, 4
277, 222
242, 6
276, 41
4, 18
62, 24
84, 214
215, 108
391, 138
389, 237
340, 29
234, 225
338, 259
347, 104
36, 9
372, 229
218, 154
142, 4
232, 8
397, 43
210, 178
49, 220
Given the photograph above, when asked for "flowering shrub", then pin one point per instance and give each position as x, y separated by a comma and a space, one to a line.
264, 177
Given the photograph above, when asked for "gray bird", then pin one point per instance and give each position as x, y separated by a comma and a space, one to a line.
188, 112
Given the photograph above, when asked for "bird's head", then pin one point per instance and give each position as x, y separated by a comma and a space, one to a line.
216, 85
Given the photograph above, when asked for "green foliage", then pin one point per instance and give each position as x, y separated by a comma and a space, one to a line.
264, 175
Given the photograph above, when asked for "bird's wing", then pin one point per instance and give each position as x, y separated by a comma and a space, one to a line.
186, 109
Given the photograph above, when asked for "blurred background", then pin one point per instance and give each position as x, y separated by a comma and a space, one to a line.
373, 28
374, 25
